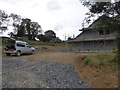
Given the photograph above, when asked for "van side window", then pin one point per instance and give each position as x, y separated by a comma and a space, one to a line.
27, 44
20, 44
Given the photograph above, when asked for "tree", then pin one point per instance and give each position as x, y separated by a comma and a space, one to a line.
21, 30
4, 18
29, 28
21, 26
110, 9
50, 34
69, 38
12, 20
35, 29
26, 24
42, 37
16, 21
99, 8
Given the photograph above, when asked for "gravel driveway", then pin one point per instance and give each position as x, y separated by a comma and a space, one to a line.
39, 74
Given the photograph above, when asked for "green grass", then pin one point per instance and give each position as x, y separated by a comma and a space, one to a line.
101, 59
0, 42
37, 43
34, 43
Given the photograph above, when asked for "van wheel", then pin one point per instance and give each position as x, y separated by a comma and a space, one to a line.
18, 53
8, 54
33, 52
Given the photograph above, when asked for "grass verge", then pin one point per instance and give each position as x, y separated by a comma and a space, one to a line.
103, 59
0, 42
37, 43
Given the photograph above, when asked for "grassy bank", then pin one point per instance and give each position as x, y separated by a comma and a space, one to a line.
100, 70
37, 43
0, 42
101, 59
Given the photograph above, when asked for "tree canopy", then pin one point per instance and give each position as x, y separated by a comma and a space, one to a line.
3, 21
21, 26
50, 34
29, 28
111, 9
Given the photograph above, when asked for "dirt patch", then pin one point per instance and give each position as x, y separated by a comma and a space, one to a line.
64, 57
50, 53
99, 76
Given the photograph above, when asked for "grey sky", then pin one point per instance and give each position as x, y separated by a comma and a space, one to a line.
62, 16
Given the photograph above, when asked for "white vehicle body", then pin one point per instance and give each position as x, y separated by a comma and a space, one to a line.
18, 48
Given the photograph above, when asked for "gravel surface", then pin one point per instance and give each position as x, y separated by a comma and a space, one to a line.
39, 74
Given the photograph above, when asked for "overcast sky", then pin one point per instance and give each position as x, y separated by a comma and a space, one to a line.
61, 16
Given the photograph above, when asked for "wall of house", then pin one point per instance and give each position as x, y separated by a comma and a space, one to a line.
91, 40
107, 45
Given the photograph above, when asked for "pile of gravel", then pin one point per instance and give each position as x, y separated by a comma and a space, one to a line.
40, 74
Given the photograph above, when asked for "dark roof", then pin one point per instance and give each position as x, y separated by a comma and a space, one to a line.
102, 21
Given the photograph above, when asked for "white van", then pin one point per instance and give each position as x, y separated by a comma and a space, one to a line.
18, 48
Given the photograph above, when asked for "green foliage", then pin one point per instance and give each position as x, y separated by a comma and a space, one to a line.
42, 38
3, 20
21, 26
6, 40
29, 28
16, 21
3, 42
0, 42
101, 59
108, 9
21, 31
118, 53
38, 43
50, 34
87, 60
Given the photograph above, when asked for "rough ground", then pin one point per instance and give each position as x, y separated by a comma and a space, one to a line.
96, 77
30, 71
40, 74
